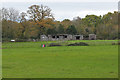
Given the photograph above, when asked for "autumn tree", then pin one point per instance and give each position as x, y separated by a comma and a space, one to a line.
31, 30
38, 14
66, 23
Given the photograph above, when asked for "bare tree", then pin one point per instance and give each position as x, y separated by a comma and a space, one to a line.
4, 13
37, 13
10, 14
13, 14
23, 22
22, 17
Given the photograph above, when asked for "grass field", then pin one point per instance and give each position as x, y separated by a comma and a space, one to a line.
29, 60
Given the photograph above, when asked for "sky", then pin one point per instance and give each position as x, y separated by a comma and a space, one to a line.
67, 9
59, 0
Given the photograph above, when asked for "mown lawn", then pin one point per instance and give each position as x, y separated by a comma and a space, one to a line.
29, 60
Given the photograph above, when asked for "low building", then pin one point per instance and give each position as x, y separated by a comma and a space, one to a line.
43, 38
66, 37
60, 37
77, 37
92, 37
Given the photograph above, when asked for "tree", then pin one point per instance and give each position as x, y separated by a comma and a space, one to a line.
60, 29
71, 30
23, 22
66, 23
31, 30
13, 14
4, 13
39, 14
39, 20
77, 21
22, 17
51, 31
10, 29
10, 14
10, 25
92, 22
108, 28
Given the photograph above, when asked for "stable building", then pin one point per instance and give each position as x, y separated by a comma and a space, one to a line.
43, 38
77, 37
59, 37
92, 37
66, 37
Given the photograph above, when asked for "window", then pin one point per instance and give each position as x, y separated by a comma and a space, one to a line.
53, 36
77, 37
57, 36
65, 36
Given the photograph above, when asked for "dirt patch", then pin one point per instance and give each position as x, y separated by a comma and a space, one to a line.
118, 43
78, 44
54, 44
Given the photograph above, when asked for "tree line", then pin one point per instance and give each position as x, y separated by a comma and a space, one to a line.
38, 20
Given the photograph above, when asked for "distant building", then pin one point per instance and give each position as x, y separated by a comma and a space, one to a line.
60, 37
43, 38
65, 37
77, 37
92, 37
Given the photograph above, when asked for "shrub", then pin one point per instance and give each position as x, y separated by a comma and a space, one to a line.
21, 40
6, 40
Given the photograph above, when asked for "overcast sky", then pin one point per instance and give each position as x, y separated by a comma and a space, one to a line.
67, 9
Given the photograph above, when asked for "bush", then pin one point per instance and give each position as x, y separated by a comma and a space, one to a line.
5, 40
21, 40
78, 44
54, 44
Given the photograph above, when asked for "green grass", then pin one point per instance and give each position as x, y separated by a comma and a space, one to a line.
29, 60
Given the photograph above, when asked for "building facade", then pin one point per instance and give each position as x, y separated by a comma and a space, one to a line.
66, 37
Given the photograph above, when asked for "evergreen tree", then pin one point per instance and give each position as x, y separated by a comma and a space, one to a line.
71, 30
51, 31
61, 29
